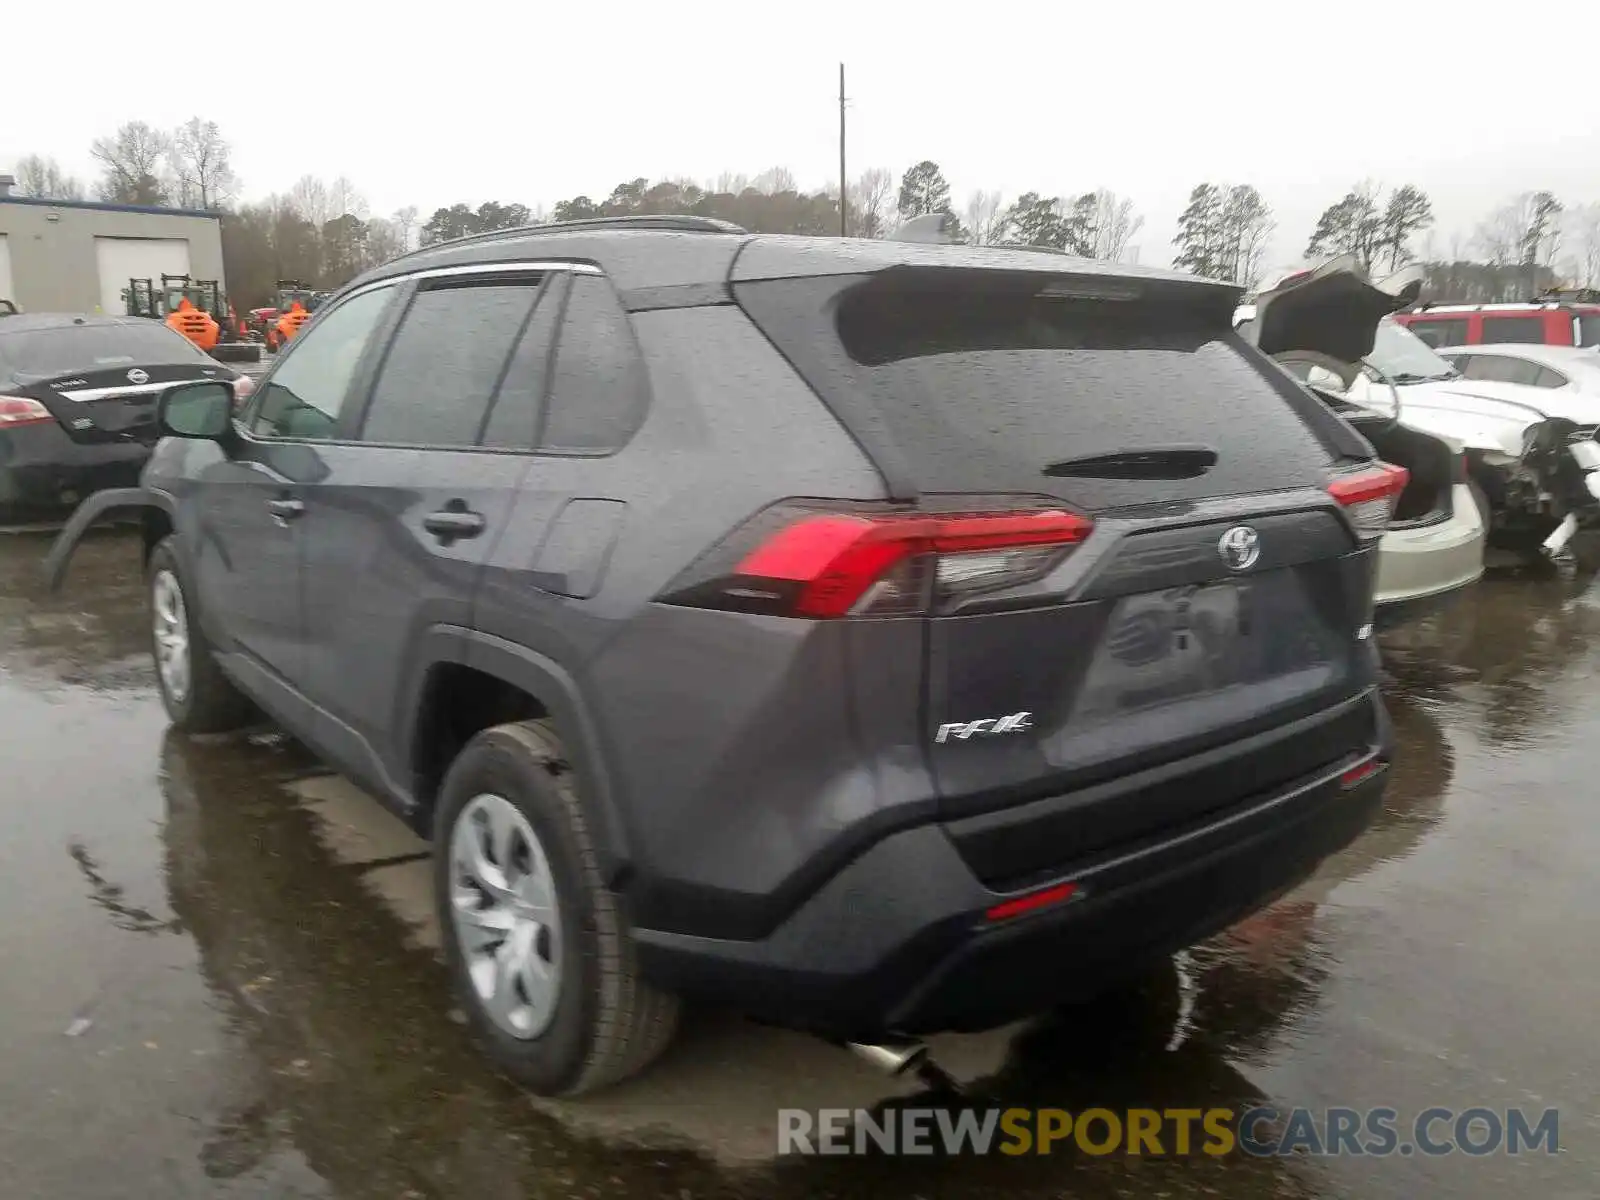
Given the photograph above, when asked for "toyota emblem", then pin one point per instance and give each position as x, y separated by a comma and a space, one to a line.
137, 375
1239, 547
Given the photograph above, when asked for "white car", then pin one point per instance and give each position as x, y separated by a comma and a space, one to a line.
1320, 326
1573, 370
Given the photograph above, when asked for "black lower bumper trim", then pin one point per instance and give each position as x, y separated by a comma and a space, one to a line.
897, 941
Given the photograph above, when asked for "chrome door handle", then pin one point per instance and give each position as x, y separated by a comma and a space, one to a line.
454, 523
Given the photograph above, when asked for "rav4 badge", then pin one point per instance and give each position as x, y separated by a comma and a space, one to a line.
962, 730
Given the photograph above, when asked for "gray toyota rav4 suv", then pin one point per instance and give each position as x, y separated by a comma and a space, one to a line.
877, 638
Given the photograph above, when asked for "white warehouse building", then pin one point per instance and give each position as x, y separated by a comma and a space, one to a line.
77, 256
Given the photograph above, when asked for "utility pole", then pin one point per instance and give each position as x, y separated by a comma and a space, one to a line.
844, 187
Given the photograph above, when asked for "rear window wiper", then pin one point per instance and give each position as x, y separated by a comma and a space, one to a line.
1143, 462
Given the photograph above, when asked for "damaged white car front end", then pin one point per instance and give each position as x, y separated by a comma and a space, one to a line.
1532, 454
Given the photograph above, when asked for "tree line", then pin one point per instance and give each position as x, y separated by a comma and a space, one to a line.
322, 233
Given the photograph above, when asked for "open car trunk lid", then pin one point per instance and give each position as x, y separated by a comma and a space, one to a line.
1218, 596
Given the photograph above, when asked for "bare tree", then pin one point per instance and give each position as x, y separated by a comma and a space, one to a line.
200, 158
730, 182
384, 240
308, 199
320, 202
1583, 235
133, 158
774, 180
405, 220
870, 200
984, 218
1115, 222
1525, 232
43, 179
345, 200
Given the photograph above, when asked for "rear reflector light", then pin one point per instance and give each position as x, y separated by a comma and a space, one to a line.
791, 561
1361, 771
19, 410
1369, 496
1032, 902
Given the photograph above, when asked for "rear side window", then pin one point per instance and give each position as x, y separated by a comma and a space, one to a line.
445, 361
1500, 368
1548, 378
598, 388
1498, 331
987, 386
1589, 329
1440, 332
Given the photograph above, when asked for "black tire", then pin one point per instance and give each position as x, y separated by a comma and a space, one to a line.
210, 703
607, 1022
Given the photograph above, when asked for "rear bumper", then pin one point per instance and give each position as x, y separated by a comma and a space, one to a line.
44, 472
898, 940
1418, 568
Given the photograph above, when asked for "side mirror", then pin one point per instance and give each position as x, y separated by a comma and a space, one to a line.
197, 410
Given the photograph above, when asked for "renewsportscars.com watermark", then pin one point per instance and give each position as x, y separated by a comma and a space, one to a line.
1262, 1131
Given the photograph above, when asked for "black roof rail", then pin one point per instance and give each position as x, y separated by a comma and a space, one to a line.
665, 222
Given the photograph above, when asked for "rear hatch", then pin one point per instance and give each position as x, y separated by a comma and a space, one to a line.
101, 379
1214, 588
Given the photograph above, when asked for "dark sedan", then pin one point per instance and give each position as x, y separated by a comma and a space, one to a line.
78, 404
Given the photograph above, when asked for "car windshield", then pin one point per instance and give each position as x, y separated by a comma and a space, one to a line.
70, 349
1406, 358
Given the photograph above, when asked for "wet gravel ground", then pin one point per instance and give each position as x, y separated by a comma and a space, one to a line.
217, 977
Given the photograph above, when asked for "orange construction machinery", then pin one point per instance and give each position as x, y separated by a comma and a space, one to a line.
278, 324
196, 309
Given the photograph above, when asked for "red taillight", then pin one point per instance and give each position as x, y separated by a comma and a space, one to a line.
836, 564
1032, 902
19, 410
1369, 496
1361, 771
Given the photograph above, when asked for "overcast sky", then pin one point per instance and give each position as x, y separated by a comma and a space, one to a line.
1148, 98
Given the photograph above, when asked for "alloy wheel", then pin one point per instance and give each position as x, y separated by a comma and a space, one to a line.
171, 627
506, 918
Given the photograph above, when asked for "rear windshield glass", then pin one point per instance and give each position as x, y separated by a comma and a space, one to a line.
995, 390
70, 349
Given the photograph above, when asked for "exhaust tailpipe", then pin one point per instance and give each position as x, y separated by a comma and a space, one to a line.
892, 1058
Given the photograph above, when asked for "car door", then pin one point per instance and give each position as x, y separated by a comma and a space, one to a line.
247, 554
397, 530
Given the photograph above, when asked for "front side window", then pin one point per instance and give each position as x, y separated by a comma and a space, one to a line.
303, 397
